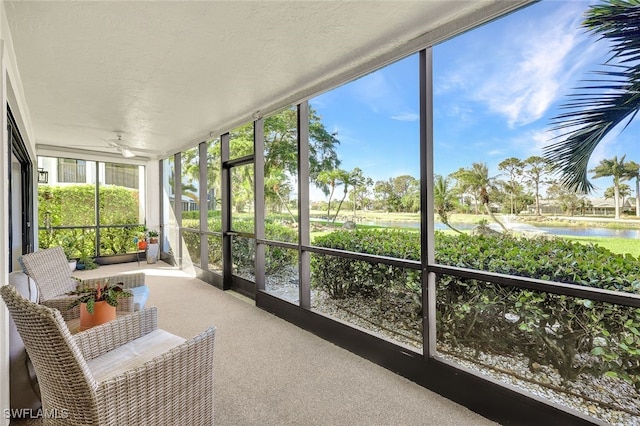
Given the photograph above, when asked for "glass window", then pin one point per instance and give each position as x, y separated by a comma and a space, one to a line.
281, 176
121, 202
382, 299
191, 249
365, 198
576, 352
126, 175
214, 193
496, 92
168, 203
242, 199
191, 188
281, 273
241, 141
215, 253
243, 252
72, 171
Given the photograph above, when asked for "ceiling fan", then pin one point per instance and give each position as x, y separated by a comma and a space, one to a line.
122, 146
124, 150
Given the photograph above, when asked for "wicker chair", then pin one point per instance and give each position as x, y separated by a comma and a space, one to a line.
125, 372
50, 270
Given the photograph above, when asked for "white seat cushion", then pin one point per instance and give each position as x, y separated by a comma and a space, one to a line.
140, 296
133, 354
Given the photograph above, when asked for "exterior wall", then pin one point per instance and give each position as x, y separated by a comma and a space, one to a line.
10, 93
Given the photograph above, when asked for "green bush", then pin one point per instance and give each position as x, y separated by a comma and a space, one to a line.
195, 214
556, 330
74, 205
276, 258
342, 277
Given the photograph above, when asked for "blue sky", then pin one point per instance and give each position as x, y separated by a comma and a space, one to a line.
495, 89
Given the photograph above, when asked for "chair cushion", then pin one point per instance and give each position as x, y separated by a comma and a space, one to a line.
140, 296
133, 354
49, 268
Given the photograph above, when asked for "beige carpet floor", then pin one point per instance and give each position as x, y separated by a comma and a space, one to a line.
270, 372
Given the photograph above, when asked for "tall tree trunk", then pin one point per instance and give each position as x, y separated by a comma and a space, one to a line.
329, 203
484, 195
512, 207
340, 205
616, 198
282, 203
445, 219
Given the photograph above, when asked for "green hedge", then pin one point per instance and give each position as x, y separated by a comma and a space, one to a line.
571, 334
74, 205
342, 277
276, 258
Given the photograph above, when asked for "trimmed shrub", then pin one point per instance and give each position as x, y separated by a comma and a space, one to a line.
276, 258
572, 334
341, 277
74, 205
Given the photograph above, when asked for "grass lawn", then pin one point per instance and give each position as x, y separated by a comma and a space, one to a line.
616, 245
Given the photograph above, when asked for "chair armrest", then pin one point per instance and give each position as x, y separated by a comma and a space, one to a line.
127, 280
177, 385
62, 305
106, 337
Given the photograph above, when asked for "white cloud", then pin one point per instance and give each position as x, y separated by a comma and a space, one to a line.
519, 72
406, 116
524, 91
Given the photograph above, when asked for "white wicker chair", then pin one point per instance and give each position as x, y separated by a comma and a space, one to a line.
50, 270
125, 372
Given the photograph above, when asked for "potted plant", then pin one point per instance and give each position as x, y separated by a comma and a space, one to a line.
141, 240
97, 303
72, 263
86, 262
153, 236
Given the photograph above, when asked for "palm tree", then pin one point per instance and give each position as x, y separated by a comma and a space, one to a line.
602, 104
617, 170
633, 172
344, 179
478, 178
624, 191
464, 187
277, 184
443, 200
330, 178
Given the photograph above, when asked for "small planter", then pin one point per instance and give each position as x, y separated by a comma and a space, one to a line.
142, 245
72, 265
102, 313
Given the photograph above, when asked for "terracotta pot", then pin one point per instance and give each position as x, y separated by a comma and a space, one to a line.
142, 245
102, 312
153, 240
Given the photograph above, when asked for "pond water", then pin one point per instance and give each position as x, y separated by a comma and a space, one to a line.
574, 231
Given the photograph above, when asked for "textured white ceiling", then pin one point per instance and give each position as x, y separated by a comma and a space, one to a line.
166, 73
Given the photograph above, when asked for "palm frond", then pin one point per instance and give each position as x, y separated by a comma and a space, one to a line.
601, 105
